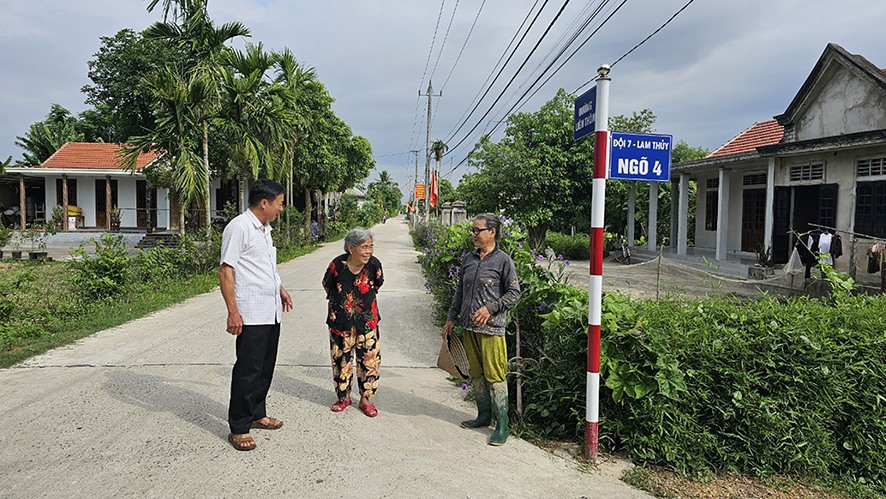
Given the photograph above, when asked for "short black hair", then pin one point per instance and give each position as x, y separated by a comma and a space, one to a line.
264, 189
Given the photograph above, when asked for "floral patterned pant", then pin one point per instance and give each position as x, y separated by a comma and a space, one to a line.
343, 349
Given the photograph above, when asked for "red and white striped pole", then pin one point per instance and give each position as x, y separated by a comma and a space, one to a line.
595, 286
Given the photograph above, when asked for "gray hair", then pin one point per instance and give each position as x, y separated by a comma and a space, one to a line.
492, 221
356, 237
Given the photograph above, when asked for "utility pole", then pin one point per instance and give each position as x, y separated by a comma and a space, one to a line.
411, 216
415, 178
430, 95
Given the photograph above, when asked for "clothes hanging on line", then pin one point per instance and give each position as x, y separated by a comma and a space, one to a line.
813, 244
876, 254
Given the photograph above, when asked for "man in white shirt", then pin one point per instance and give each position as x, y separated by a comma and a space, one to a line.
256, 300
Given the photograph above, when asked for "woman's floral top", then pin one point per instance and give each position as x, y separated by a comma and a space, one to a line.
352, 303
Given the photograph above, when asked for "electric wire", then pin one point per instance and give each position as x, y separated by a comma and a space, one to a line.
460, 52
592, 79
551, 25
639, 44
424, 73
443, 44
475, 99
517, 104
588, 19
465, 44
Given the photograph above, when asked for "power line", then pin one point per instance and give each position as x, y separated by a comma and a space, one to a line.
458, 58
564, 46
433, 41
517, 33
641, 43
591, 80
392, 154
517, 104
470, 31
551, 25
511, 110
586, 23
445, 37
425, 72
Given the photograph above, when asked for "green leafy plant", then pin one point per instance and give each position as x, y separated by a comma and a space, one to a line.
764, 255
58, 215
115, 214
104, 275
5, 235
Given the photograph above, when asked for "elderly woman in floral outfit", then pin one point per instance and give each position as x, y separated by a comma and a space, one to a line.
487, 288
351, 283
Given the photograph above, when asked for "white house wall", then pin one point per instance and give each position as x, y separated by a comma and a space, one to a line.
126, 200
847, 103
707, 239
86, 200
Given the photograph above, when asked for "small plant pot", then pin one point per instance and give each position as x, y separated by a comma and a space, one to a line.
115, 226
16, 255
38, 255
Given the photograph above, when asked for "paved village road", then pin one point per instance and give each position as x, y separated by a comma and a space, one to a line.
140, 410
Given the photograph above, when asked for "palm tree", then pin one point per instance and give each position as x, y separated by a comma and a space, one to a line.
45, 137
295, 80
253, 113
438, 148
180, 103
193, 31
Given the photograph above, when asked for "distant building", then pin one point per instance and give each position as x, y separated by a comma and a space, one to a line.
92, 175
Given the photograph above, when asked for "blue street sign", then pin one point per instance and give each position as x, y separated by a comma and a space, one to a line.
640, 156
585, 114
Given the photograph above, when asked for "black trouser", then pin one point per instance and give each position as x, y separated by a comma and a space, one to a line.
252, 374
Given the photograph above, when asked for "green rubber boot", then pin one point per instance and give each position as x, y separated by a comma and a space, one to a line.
500, 408
484, 409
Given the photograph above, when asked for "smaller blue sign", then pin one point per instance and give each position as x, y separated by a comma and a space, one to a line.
640, 156
585, 114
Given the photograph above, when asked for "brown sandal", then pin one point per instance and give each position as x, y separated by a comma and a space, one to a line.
242, 441
272, 423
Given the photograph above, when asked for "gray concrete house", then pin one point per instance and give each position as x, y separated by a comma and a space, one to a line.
822, 161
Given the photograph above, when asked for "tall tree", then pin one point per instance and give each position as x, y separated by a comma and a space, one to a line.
385, 192
180, 100
45, 137
253, 113
202, 45
118, 93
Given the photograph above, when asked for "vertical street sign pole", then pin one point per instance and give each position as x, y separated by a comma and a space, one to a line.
595, 287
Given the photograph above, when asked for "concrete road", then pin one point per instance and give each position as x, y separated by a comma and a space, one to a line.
140, 411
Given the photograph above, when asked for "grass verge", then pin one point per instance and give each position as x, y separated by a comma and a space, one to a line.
109, 313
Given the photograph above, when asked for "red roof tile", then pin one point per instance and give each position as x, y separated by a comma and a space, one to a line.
92, 156
764, 133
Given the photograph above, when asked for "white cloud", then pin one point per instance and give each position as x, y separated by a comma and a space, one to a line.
719, 66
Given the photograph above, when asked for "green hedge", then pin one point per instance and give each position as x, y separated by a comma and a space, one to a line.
575, 247
775, 386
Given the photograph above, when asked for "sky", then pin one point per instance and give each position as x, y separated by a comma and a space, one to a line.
716, 69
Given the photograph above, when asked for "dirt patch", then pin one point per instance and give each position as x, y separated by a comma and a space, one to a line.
662, 277
666, 484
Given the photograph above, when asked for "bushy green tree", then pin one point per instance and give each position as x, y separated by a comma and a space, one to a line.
119, 93
45, 137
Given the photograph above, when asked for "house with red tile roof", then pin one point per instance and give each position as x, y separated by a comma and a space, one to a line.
87, 181
820, 165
